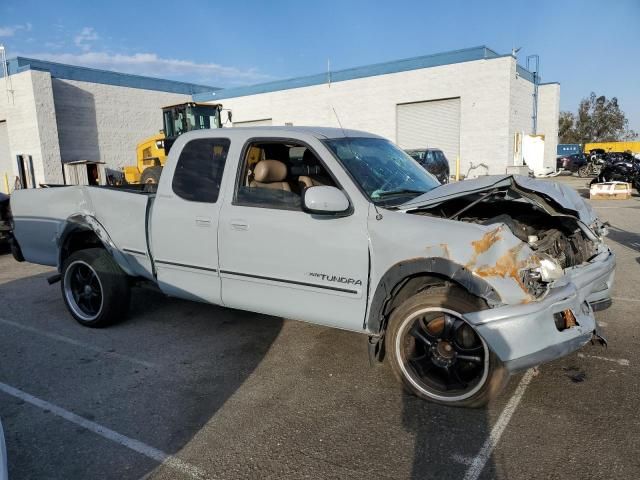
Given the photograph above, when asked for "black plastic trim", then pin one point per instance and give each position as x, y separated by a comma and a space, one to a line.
293, 282
401, 271
176, 264
137, 252
601, 304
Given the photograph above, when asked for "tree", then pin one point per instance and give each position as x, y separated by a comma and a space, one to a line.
598, 120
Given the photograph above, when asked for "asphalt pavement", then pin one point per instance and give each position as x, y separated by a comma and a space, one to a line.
187, 390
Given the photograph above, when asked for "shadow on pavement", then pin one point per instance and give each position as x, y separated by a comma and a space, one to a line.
233, 392
628, 239
201, 355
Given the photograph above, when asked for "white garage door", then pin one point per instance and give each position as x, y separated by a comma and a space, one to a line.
253, 123
433, 124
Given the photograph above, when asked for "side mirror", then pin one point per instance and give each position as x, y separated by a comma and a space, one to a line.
324, 200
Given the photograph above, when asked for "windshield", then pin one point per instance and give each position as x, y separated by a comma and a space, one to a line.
386, 174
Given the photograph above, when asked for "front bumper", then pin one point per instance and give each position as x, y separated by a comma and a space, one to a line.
526, 335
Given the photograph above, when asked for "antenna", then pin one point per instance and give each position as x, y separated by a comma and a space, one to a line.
338, 118
378, 214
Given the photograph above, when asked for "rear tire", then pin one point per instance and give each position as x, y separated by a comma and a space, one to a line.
94, 288
427, 338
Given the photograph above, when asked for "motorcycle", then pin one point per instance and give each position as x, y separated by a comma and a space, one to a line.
593, 167
622, 171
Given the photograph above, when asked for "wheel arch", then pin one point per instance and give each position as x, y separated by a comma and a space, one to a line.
411, 276
83, 231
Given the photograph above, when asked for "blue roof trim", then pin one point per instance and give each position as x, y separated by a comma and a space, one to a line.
415, 63
93, 75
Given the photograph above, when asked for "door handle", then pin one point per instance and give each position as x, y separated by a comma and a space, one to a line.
203, 221
239, 225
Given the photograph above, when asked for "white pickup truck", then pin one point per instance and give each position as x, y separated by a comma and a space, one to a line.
455, 285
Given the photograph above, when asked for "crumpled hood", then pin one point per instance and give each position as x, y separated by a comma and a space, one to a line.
563, 195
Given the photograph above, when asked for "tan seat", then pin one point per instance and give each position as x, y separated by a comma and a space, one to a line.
314, 177
306, 181
270, 174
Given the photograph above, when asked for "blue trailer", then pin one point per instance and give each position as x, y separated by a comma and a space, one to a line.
568, 149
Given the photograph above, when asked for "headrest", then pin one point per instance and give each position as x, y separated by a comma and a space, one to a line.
309, 157
297, 170
267, 171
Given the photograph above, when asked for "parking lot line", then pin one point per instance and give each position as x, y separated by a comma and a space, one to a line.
71, 341
135, 445
480, 460
623, 299
620, 361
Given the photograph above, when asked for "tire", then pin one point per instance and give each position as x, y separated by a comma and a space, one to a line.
428, 365
94, 288
583, 171
150, 176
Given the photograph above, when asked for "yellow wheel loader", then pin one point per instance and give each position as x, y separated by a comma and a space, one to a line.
151, 153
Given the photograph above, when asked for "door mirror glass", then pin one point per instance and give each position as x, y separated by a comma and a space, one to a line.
325, 200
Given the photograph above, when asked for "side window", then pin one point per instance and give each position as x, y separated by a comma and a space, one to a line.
199, 170
274, 175
429, 157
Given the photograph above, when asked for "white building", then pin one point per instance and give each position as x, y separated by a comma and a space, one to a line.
473, 104
470, 103
57, 114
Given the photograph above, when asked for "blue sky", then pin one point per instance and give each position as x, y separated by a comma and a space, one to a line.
585, 45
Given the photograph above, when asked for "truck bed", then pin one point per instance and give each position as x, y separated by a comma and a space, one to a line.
42, 215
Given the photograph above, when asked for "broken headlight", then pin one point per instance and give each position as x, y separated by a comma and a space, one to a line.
537, 279
549, 269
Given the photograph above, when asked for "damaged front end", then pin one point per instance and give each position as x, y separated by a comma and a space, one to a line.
561, 266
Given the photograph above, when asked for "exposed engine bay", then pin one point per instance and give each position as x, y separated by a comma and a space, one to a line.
547, 231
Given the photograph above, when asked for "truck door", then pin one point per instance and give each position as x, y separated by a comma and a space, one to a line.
184, 221
278, 260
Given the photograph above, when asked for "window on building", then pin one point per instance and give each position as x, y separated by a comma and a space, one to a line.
199, 169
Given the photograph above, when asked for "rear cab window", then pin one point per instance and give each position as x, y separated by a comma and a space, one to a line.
199, 169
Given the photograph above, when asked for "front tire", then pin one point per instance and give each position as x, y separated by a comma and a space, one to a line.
94, 288
437, 355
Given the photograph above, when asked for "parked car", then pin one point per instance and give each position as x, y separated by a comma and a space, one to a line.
434, 161
455, 285
572, 162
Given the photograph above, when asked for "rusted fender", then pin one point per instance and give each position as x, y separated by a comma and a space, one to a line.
490, 253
